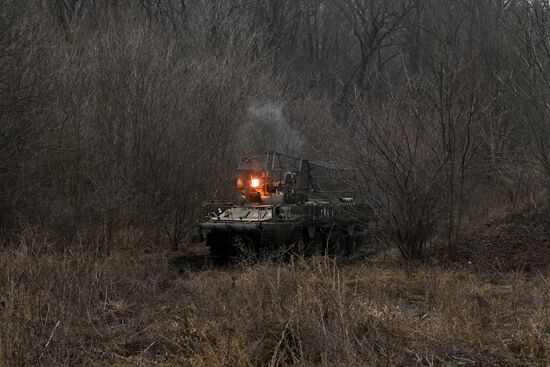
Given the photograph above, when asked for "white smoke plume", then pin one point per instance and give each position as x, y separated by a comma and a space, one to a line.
268, 129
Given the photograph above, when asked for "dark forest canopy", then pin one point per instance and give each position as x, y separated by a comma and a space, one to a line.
118, 115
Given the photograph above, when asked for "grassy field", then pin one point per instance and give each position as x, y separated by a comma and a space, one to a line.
148, 308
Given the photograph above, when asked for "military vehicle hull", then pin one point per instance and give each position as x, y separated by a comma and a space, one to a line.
287, 203
320, 228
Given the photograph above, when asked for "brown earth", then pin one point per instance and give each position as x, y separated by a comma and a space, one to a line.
515, 242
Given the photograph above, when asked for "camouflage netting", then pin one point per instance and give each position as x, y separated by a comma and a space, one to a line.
315, 179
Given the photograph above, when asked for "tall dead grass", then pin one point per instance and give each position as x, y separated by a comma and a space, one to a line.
142, 308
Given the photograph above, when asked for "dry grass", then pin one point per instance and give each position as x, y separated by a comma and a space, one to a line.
133, 308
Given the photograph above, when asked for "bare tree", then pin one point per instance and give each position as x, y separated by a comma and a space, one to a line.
530, 84
25, 87
375, 25
398, 151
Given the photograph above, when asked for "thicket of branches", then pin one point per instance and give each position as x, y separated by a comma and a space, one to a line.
121, 117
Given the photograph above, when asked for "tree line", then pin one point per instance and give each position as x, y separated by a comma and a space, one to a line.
117, 119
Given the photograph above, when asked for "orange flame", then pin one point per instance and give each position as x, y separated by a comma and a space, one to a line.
255, 183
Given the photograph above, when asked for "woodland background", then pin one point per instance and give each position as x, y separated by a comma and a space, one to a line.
124, 115
119, 118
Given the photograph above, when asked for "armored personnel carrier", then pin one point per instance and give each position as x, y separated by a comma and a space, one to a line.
290, 203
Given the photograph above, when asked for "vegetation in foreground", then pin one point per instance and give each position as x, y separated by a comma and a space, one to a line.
145, 308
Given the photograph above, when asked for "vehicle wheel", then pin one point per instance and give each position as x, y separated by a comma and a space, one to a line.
349, 245
243, 246
334, 242
219, 246
316, 245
